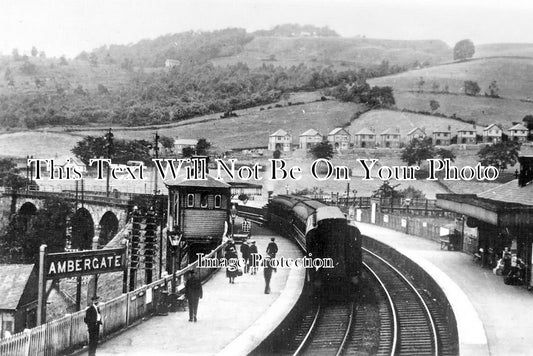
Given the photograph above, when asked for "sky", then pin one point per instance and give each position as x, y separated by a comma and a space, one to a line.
67, 27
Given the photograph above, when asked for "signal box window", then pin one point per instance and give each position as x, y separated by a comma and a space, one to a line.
218, 201
203, 200
190, 200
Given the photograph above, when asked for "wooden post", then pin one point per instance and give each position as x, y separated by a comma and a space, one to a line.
41, 302
95, 247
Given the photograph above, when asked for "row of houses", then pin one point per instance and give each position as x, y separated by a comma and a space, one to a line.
341, 139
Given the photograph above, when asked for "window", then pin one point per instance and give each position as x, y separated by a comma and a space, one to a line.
190, 200
203, 200
218, 201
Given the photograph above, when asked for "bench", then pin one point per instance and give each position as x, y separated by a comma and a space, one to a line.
446, 244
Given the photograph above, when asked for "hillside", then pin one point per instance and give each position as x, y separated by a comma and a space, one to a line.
445, 84
504, 49
336, 51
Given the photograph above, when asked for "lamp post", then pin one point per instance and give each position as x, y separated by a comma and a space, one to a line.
174, 238
233, 213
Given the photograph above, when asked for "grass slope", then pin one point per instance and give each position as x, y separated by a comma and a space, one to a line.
358, 52
513, 75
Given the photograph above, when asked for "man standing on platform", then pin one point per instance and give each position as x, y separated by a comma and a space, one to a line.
93, 319
245, 254
267, 271
253, 257
194, 292
272, 248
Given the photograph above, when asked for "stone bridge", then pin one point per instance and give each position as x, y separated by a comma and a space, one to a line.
91, 216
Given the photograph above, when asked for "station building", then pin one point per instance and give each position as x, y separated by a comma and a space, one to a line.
503, 216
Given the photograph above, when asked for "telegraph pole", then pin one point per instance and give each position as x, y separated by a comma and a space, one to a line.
156, 153
109, 146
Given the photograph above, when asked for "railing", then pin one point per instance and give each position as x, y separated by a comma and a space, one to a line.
70, 332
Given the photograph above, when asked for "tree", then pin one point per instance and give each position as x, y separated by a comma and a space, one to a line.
42, 54
420, 83
166, 142
418, 150
123, 150
500, 155
63, 61
528, 121
471, 88
34, 51
202, 147
322, 150
187, 151
494, 90
26, 233
434, 105
102, 89
463, 50
443, 153
93, 60
16, 54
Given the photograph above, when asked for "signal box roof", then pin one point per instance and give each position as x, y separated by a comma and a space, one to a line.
210, 182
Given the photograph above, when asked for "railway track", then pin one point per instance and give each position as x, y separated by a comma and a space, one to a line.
407, 326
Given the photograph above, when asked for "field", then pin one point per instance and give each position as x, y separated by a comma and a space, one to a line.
339, 52
37, 144
514, 78
252, 127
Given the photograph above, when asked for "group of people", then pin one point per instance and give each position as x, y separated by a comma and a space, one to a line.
193, 285
248, 250
510, 267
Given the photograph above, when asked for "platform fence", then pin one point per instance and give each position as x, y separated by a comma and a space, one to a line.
69, 333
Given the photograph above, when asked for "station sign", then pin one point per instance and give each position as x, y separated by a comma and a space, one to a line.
74, 264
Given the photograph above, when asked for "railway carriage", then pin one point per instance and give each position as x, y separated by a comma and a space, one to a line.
323, 232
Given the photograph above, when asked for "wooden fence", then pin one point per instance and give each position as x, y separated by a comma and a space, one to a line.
70, 332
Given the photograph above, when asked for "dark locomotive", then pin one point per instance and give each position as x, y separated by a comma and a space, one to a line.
322, 231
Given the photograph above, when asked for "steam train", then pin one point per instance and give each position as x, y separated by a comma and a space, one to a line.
322, 231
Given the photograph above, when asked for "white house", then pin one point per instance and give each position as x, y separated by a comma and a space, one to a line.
339, 138
309, 139
492, 134
280, 140
467, 135
518, 133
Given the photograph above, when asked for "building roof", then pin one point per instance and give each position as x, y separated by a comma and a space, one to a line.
518, 127
310, 132
365, 131
390, 131
442, 131
280, 132
185, 141
210, 182
338, 130
13, 280
414, 130
510, 193
491, 126
73, 161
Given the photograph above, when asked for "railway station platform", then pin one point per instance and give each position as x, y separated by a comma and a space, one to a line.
233, 319
493, 318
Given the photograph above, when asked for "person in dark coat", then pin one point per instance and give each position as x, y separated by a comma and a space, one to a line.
272, 248
193, 292
245, 254
251, 260
232, 269
93, 319
267, 271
